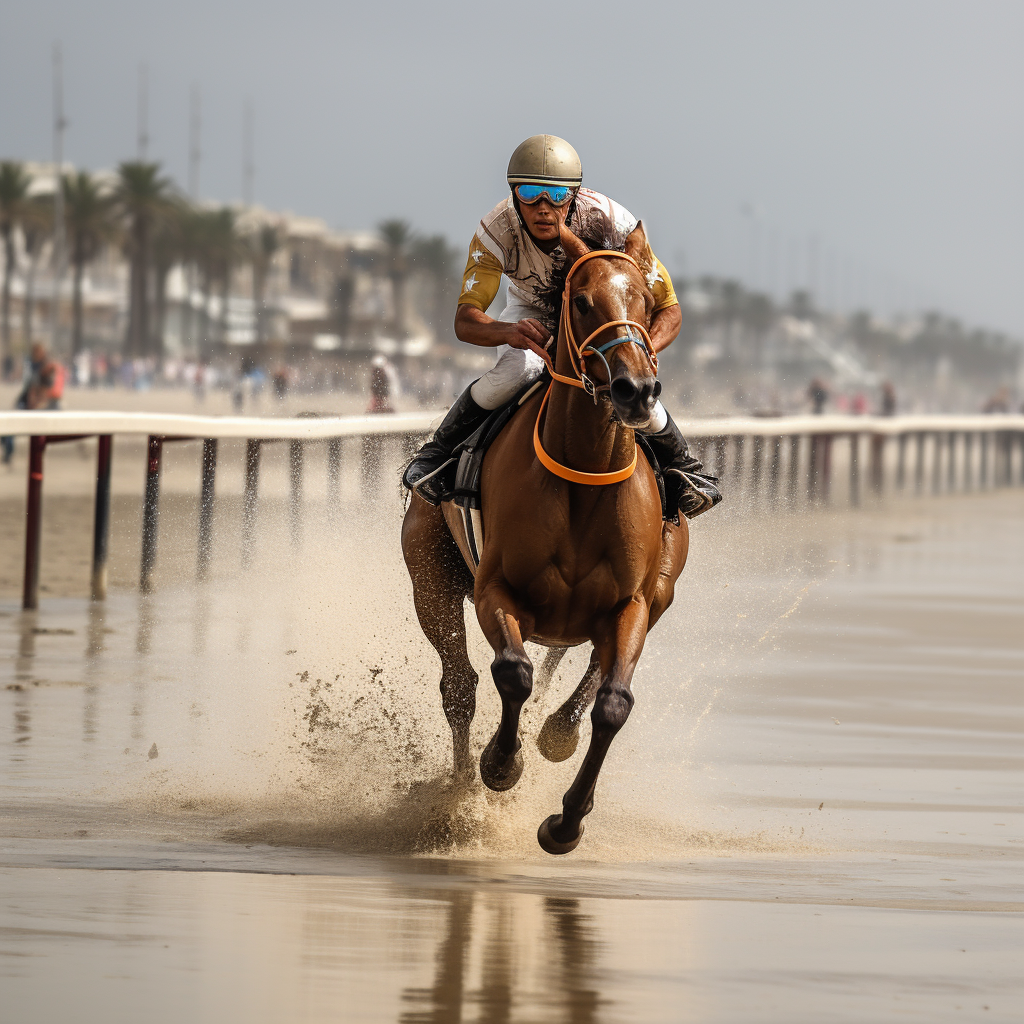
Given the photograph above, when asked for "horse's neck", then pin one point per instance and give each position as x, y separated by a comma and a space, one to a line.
580, 434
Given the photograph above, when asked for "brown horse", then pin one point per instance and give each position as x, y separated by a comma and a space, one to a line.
562, 562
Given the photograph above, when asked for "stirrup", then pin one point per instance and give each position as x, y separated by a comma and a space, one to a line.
698, 493
431, 487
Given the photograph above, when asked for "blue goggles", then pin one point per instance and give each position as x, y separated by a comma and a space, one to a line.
556, 195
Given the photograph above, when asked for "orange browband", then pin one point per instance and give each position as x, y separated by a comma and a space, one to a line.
577, 356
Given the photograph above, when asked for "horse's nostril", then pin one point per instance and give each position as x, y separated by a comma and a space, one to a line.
657, 390
623, 390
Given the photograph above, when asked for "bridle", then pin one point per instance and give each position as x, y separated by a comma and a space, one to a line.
578, 356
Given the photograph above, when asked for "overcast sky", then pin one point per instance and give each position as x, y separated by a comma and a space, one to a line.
879, 145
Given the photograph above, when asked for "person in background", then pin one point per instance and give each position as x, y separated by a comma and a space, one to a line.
817, 392
43, 389
888, 399
380, 386
998, 402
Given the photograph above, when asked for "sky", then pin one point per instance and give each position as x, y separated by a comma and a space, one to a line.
872, 149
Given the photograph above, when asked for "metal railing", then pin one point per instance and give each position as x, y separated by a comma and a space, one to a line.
765, 457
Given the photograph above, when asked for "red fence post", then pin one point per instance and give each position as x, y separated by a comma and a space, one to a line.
206, 499
33, 524
150, 512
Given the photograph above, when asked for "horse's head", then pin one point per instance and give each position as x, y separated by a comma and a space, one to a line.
605, 291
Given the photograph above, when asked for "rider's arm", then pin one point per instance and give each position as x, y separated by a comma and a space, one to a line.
667, 317
480, 283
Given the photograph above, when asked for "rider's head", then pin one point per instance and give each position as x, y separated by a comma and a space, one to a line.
544, 174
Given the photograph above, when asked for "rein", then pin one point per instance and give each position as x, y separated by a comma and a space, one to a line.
577, 356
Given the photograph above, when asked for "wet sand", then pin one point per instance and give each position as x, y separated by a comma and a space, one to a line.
231, 803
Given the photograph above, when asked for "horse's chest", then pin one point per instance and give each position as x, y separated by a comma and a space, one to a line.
566, 576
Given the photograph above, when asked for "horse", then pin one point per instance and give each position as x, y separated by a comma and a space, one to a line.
574, 545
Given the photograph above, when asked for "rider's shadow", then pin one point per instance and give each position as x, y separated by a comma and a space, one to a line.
482, 971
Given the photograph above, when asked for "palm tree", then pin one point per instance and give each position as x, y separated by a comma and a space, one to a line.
36, 226
87, 214
262, 245
217, 246
143, 198
397, 235
227, 247
191, 225
437, 258
169, 240
14, 185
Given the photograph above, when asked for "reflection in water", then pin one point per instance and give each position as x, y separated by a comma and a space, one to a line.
144, 635
200, 621
26, 646
96, 633
574, 970
23, 677
96, 629
143, 641
564, 945
442, 1003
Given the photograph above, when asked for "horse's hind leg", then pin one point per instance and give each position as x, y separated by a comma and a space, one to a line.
501, 763
561, 731
440, 585
549, 666
618, 653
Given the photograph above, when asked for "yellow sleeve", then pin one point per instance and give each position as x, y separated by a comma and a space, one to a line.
664, 293
482, 277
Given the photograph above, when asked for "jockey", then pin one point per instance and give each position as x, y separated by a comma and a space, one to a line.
520, 239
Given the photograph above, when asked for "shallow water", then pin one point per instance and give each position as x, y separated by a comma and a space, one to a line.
234, 801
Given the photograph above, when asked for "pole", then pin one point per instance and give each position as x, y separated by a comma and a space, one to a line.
101, 520
142, 122
248, 168
194, 150
854, 468
794, 464
150, 512
206, 507
295, 496
59, 124
249, 498
33, 524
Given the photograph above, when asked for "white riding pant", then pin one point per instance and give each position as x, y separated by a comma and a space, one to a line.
517, 367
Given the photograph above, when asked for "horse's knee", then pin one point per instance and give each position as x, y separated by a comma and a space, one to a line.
513, 676
611, 708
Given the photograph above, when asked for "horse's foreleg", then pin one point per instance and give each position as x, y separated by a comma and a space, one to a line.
440, 584
675, 544
561, 732
501, 763
618, 652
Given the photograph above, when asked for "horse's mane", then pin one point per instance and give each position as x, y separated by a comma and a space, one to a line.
551, 296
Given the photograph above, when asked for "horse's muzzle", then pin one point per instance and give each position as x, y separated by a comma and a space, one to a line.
633, 398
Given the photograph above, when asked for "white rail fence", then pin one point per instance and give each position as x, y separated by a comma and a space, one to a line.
768, 459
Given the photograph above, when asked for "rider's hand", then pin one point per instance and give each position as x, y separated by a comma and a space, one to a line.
531, 334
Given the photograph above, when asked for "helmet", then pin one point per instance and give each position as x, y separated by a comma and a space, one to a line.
545, 160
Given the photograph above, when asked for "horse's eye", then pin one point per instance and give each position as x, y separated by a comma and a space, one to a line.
582, 305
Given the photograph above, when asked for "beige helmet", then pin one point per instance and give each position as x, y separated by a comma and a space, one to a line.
545, 160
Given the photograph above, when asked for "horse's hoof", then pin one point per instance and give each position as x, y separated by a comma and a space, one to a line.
497, 773
554, 743
547, 840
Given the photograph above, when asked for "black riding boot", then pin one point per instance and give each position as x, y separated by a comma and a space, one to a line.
431, 472
687, 489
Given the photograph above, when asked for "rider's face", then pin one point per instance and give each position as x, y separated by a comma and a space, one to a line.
544, 220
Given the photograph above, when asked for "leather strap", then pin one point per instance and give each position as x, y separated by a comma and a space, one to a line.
575, 476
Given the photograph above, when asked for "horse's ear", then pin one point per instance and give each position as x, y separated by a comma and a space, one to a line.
573, 245
639, 248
